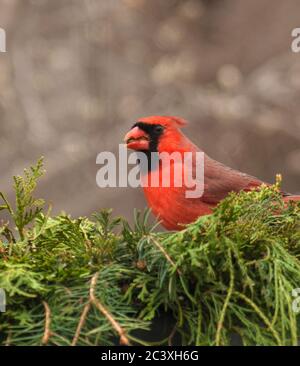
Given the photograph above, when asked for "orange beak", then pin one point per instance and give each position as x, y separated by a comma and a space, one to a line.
137, 139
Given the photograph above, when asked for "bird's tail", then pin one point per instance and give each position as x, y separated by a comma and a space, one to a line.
291, 198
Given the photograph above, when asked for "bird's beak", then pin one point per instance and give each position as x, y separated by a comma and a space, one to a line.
137, 139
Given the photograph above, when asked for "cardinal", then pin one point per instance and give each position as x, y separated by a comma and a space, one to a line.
158, 134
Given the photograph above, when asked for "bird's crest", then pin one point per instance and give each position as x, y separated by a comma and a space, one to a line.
165, 121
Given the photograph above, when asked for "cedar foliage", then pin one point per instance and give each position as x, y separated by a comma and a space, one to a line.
85, 281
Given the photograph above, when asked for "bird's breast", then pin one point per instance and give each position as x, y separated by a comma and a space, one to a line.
169, 202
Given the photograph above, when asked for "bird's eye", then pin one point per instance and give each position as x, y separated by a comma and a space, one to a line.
158, 129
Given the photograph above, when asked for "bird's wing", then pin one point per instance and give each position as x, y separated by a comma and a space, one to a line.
220, 180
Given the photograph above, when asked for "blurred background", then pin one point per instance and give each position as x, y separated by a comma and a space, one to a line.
78, 73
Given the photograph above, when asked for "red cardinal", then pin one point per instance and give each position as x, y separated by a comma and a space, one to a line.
170, 204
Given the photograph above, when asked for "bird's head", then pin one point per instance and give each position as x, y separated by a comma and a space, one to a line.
155, 133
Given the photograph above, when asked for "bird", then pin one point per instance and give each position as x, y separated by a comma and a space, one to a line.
158, 134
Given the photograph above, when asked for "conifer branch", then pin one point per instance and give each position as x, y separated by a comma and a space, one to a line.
167, 256
81, 322
226, 302
122, 333
237, 269
47, 332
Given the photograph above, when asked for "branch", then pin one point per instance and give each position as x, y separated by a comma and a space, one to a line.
122, 333
168, 258
81, 323
47, 332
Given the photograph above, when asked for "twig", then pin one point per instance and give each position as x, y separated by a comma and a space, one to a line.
122, 333
261, 314
172, 334
8, 339
7, 203
47, 332
226, 302
168, 258
81, 323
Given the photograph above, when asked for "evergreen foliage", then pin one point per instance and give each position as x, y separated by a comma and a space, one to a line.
85, 281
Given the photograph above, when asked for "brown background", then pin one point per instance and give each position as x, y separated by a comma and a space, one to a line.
78, 73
